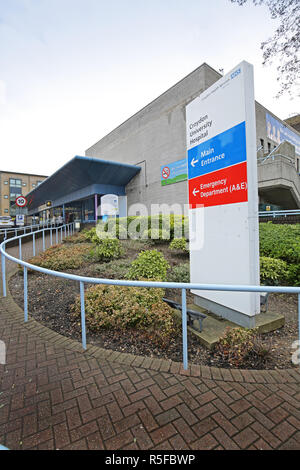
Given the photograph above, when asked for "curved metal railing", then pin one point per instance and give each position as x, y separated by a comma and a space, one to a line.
66, 230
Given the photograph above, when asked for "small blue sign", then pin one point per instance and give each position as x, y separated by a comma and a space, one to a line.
173, 172
223, 150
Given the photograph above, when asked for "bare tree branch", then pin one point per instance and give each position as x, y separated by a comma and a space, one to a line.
283, 46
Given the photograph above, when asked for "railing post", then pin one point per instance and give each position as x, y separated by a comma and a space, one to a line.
33, 244
43, 240
83, 331
3, 275
25, 295
50, 236
184, 331
56, 230
299, 322
20, 248
61, 237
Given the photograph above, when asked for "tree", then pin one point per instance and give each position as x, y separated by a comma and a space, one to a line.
283, 46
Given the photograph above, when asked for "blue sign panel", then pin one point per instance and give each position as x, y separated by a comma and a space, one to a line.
173, 172
223, 150
279, 132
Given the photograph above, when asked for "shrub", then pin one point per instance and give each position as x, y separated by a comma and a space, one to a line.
180, 273
122, 307
90, 234
107, 249
282, 242
262, 350
116, 269
79, 237
179, 244
156, 235
149, 264
62, 257
273, 271
235, 345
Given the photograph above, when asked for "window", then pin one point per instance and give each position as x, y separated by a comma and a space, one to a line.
5, 197
15, 182
262, 144
33, 185
38, 182
24, 184
6, 211
269, 147
5, 182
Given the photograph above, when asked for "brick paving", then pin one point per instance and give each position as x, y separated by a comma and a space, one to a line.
55, 396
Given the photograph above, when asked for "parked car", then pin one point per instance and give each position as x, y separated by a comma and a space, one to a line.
6, 221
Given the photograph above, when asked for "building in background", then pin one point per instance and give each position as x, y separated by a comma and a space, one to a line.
13, 185
143, 160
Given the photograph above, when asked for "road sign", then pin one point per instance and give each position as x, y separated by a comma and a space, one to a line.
165, 172
21, 201
222, 181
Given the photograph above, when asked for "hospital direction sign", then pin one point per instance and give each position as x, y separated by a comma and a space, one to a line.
222, 183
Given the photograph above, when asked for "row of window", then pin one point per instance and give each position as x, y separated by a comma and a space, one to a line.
18, 183
262, 144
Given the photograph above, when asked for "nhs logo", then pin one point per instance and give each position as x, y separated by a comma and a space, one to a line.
235, 73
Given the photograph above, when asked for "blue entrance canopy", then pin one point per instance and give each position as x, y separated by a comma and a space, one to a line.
82, 177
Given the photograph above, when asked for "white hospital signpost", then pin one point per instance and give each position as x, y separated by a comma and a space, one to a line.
222, 179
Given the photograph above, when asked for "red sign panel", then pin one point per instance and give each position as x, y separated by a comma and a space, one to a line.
226, 186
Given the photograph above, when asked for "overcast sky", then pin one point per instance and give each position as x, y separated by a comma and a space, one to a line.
72, 70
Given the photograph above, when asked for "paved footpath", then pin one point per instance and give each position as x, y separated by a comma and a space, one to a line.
54, 396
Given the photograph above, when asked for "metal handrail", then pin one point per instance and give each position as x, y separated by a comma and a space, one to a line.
279, 213
15, 230
150, 284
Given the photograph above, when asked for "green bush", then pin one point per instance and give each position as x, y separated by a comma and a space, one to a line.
107, 249
149, 264
156, 235
282, 242
180, 273
137, 226
179, 244
116, 269
273, 271
122, 307
90, 234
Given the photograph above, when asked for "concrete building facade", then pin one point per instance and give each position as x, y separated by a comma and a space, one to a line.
156, 136
129, 161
